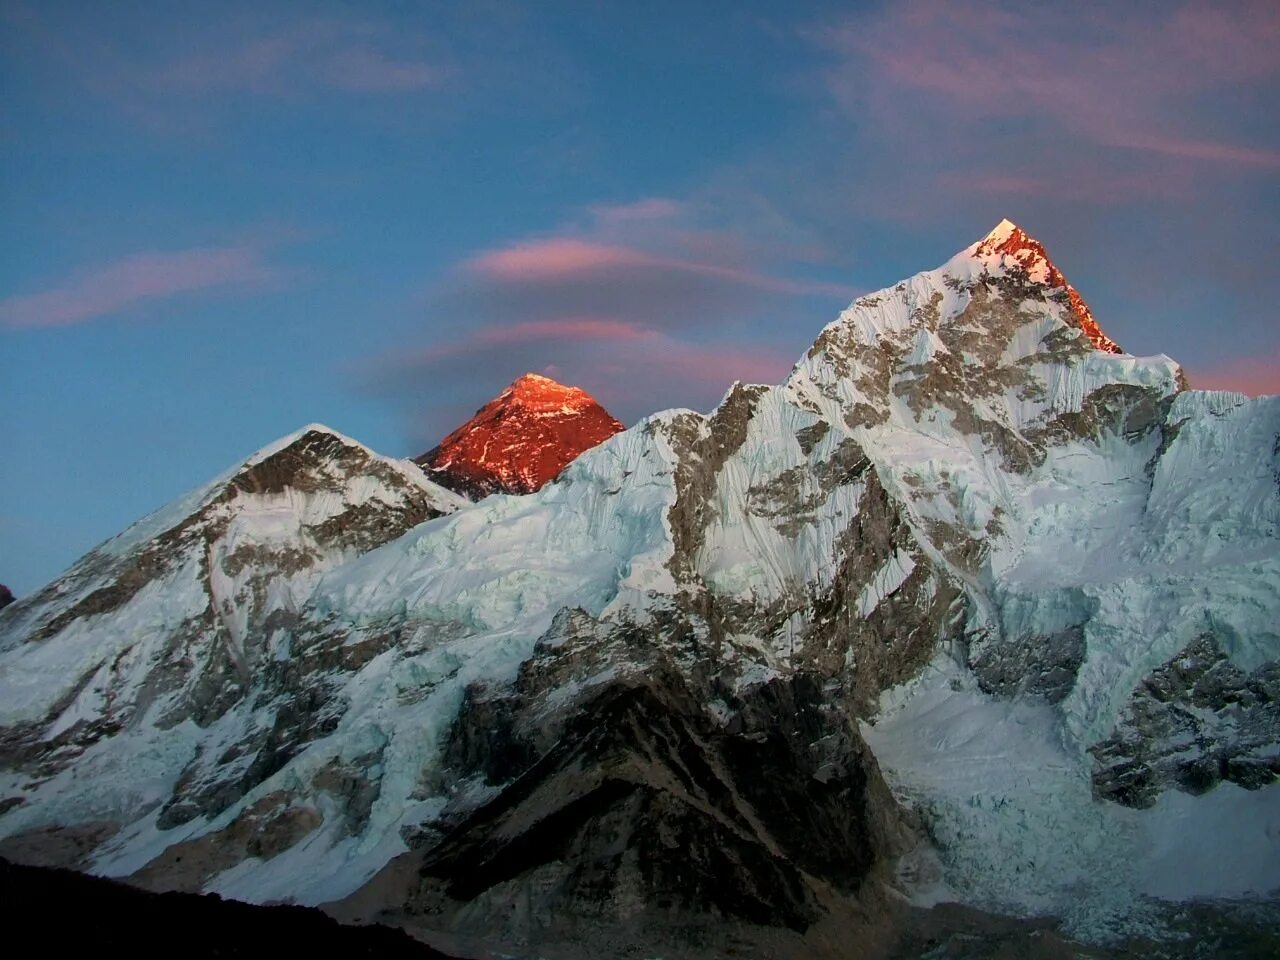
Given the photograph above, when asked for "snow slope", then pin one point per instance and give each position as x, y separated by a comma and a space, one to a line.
976, 524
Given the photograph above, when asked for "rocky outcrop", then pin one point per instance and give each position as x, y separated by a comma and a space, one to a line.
1041, 666
6, 596
588, 802
520, 440
1195, 721
1008, 240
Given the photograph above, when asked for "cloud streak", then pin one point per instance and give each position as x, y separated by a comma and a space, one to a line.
357, 57
259, 55
1098, 102
632, 370
116, 287
642, 303
564, 258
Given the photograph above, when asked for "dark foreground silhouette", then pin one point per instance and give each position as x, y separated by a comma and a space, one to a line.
65, 911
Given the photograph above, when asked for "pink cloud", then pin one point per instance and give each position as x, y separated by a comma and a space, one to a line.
699, 365
1199, 149
118, 286
560, 258
621, 300
265, 56
1256, 376
570, 330
633, 371
1074, 185
1115, 76
554, 258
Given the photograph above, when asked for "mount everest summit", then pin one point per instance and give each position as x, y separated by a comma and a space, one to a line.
973, 612
520, 440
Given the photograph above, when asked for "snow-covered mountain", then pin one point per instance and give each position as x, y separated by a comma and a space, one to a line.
972, 608
520, 440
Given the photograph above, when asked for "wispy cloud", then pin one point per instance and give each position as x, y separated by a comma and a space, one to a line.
1070, 96
632, 370
113, 288
366, 70
646, 304
564, 258
648, 208
360, 57
159, 71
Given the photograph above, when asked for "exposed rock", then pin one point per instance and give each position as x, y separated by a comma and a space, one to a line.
6, 596
520, 440
68, 846
330, 500
584, 832
264, 830
1195, 721
1008, 240
1034, 666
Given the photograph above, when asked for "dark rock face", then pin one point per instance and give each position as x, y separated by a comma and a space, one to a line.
520, 440
6, 596
1036, 666
1195, 721
642, 801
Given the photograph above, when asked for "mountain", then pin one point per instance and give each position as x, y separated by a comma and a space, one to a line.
520, 440
964, 636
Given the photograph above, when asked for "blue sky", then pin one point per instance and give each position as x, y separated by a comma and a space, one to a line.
221, 222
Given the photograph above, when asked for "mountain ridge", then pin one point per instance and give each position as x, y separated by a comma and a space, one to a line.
925, 585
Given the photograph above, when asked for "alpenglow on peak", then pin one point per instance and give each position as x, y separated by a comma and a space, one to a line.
520, 440
1009, 247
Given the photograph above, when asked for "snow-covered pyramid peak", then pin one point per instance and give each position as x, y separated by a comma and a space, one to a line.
1009, 249
994, 346
521, 439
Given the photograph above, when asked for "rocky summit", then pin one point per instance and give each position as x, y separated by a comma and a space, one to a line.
961, 641
520, 440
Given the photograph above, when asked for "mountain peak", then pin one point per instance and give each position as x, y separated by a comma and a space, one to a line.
536, 390
1009, 248
536, 380
1002, 232
1009, 239
520, 440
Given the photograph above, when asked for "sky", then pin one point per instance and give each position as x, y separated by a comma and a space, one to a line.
221, 222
